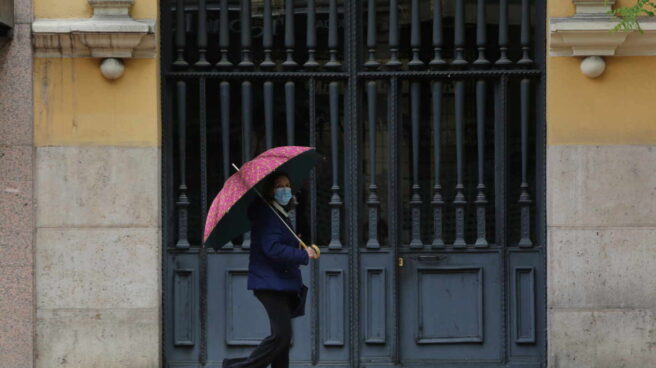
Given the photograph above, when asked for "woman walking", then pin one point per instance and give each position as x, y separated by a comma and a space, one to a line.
273, 273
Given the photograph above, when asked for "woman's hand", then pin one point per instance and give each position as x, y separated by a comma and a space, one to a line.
311, 253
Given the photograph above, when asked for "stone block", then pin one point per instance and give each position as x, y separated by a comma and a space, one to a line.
601, 185
16, 210
98, 186
16, 88
16, 316
16, 344
603, 338
101, 338
23, 11
98, 268
16, 162
603, 268
15, 248
16, 297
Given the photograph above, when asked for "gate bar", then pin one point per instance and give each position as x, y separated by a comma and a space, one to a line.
437, 201
335, 199
459, 34
459, 201
393, 42
202, 35
500, 161
224, 36
415, 35
183, 200
415, 195
268, 113
525, 33
524, 197
314, 279
180, 34
311, 35
245, 30
503, 34
224, 94
247, 127
481, 36
333, 63
371, 35
202, 89
437, 34
481, 200
372, 201
289, 35
267, 36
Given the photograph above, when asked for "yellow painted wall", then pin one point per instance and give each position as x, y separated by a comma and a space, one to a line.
75, 105
618, 107
81, 9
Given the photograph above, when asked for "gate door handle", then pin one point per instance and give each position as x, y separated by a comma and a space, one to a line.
434, 258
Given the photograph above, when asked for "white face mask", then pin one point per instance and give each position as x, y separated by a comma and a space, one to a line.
282, 195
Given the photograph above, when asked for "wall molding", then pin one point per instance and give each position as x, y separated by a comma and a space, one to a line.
109, 33
589, 34
593, 36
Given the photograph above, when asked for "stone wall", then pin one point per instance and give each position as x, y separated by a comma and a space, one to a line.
602, 256
97, 257
16, 193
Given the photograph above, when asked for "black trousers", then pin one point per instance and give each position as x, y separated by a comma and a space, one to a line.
274, 349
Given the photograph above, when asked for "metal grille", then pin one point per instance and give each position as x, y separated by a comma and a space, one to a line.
429, 114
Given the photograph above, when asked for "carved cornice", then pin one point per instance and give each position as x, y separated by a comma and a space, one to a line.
594, 36
589, 32
109, 33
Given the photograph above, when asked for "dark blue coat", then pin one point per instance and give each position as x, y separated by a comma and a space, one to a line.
275, 255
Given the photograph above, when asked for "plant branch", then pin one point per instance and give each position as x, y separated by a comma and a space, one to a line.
629, 15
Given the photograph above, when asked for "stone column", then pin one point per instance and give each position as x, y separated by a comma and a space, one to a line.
16, 188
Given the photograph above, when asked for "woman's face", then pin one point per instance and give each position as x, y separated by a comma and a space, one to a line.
281, 182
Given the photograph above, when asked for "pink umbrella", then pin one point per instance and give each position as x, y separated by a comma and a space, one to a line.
227, 217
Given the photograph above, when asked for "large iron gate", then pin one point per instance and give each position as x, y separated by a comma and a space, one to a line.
428, 207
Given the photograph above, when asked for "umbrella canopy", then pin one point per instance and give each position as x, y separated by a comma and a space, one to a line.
227, 217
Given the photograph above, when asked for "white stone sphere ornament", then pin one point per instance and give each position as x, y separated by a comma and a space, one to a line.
593, 66
112, 68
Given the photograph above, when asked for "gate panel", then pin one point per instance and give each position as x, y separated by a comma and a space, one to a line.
526, 312
451, 308
182, 317
237, 321
333, 308
377, 306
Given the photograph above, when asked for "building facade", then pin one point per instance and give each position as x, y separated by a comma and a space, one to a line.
486, 197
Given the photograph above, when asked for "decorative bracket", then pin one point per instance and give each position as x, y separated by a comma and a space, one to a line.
110, 33
589, 33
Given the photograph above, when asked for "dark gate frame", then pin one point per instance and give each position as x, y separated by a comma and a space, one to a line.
353, 76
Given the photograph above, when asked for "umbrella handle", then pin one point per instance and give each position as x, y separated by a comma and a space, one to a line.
313, 246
